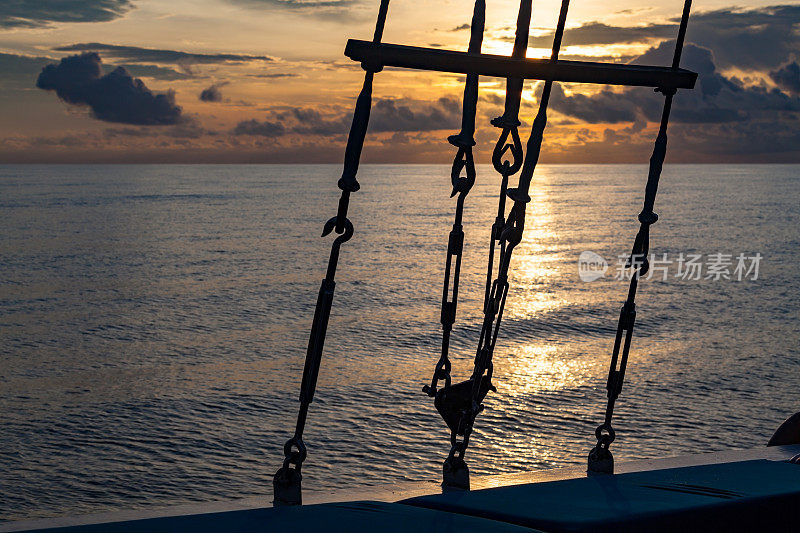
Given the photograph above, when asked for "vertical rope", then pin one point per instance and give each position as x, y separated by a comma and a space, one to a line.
456, 473
286, 483
600, 458
464, 141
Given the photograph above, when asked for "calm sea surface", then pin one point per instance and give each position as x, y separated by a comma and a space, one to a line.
154, 320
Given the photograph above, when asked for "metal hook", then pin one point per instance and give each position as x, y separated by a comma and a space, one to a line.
347, 233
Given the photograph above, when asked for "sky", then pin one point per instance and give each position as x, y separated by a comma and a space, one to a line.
266, 81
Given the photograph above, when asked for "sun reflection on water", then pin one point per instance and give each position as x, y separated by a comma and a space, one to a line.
536, 368
536, 259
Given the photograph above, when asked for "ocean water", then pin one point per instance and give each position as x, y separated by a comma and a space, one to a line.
154, 321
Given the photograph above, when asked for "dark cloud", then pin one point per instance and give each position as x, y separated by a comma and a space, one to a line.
151, 71
461, 27
757, 39
402, 115
601, 59
787, 77
152, 55
339, 10
189, 128
113, 97
762, 140
18, 70
211, 94
39, 13
260, 129
387, 115
311, 121
715, 99
604, 107
295, 4
271, 75
14, 64
597, 33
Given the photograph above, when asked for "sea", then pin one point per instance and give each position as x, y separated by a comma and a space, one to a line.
154, 322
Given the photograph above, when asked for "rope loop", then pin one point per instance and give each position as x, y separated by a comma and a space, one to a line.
462, 161
506, 167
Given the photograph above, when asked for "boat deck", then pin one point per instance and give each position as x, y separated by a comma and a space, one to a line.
738, 490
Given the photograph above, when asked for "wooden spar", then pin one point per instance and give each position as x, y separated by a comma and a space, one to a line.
394, 55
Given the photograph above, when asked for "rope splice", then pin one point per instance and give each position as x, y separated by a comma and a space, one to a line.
600, 460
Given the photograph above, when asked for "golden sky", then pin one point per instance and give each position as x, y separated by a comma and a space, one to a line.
267, 81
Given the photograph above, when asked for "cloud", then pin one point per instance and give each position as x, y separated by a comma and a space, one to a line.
715, 99
752, 39
259, 129
607, 106
271, 75
211, 94
296, 4
787, 77
721, 119
311, 121
403, 115
461, 27
153, 55
339, 10
387, 115
113, 97
18, 70
188, 128
597, 33
151, 71
40, 13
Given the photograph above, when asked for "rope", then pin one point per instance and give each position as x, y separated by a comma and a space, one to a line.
600, 458
456, 473
509, 122
464, 141
287, 480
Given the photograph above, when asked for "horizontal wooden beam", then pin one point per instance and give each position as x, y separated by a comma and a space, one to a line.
393, 55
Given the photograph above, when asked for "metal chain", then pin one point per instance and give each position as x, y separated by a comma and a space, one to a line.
464, 141
287, 480
510, 235
600, 458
